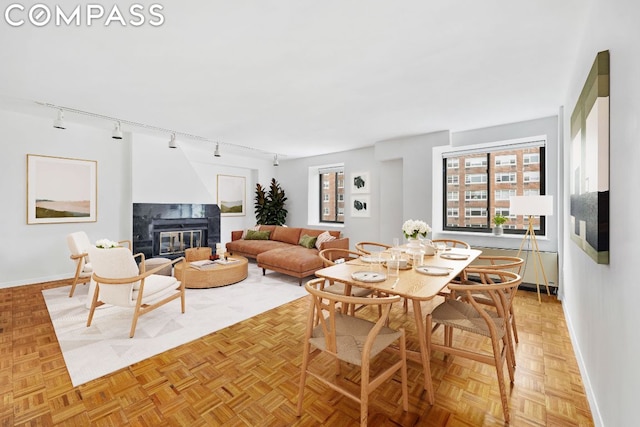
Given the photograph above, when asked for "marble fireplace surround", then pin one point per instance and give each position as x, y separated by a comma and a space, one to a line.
151, 218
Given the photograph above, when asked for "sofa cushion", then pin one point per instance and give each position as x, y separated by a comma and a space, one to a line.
323, 237
314, 232
307, 241
286, 234
293, 258
257, 235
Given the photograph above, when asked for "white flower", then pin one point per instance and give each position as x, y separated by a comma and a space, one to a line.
412, 228
106, 244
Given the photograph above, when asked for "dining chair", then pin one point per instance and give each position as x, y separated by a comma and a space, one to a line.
470, 316
368, 247
78, 244
329, 257
121, 282
497, 262
353, 340
452, 243
197, 253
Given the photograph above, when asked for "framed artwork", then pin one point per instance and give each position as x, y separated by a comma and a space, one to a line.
61, 190
360, 183
589, 164
231, 195
360, 206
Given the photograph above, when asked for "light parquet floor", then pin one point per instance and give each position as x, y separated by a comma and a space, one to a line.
247, 375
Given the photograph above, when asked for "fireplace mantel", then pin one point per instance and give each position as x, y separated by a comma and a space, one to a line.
151, 218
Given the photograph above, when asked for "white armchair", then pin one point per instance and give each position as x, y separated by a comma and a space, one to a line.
78, 244
119, 281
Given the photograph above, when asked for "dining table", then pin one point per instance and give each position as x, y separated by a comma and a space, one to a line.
417, 283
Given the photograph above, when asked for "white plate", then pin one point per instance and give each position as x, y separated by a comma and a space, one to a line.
368, 276
432, 271
454, 256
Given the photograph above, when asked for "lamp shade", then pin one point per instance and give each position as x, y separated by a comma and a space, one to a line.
531, 205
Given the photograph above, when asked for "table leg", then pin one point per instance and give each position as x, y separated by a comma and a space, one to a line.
424, 356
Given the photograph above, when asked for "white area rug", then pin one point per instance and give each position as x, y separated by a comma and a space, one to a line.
105, 346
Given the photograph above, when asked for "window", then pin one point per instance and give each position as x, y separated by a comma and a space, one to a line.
506, 160
475, 162
491, 176
475, 178
504, 194
475, 195
452, 164
332, 194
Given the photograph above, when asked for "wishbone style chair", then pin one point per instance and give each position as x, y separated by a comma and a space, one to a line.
452, 243
498, 262
329, 258
470, 316
353, 340
366, 247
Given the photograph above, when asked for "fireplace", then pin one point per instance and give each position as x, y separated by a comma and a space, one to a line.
167, 230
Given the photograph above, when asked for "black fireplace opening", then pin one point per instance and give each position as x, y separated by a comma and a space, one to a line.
167, 230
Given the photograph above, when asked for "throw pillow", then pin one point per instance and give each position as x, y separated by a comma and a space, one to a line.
257, 235
254, 228
307, 241
323, 237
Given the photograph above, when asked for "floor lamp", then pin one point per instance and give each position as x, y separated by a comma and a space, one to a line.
531, 206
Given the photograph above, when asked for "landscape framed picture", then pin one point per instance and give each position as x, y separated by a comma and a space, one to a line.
231, 195
61, 189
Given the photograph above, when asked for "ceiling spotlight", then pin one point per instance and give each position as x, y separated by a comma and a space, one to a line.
58, 123
275, 160
217, 152
172, 141
117, 132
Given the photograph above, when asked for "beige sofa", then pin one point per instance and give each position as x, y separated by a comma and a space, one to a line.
282, 252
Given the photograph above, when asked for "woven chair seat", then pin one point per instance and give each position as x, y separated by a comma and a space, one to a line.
463, 316
351, 334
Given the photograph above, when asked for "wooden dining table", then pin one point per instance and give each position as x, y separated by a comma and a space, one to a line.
418, 287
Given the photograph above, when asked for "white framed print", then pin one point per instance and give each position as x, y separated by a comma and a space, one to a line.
360, 206
360, 183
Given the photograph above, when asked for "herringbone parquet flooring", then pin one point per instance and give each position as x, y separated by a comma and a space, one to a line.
247, 375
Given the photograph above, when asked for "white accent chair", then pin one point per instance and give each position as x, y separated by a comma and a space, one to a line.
119, 281
78, 244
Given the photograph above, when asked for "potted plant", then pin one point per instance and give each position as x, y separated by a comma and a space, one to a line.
498, 220
269, 206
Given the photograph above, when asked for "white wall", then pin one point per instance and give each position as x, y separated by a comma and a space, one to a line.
600, 301
38, 252
139, 168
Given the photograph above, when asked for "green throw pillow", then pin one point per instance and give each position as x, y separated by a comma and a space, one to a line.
307, 241
257, 235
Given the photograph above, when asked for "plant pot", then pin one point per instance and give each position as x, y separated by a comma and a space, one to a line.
497, 230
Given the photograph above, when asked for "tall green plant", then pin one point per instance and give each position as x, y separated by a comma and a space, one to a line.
270, 206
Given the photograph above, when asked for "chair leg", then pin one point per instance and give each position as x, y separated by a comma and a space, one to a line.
513, 324
75, 278
303, 376
499, 370
94, 304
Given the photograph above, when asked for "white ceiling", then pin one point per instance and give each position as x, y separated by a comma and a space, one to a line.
302, 77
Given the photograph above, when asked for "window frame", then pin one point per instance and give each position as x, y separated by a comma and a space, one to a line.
492, 172
339, 189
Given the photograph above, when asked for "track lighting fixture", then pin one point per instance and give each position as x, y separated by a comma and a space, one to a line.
275, 160
172, 141
117, 132
217, 152
58, 123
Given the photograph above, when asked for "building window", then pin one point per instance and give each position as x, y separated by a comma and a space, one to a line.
489, 179
332, 195
452, 164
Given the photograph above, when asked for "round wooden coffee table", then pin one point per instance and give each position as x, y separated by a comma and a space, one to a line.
212, 277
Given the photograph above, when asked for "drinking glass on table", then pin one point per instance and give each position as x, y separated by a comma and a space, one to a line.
440, 247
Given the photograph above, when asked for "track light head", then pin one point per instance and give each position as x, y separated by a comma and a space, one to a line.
275, 160
117, 132
217, 152
172, 141
58, 123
